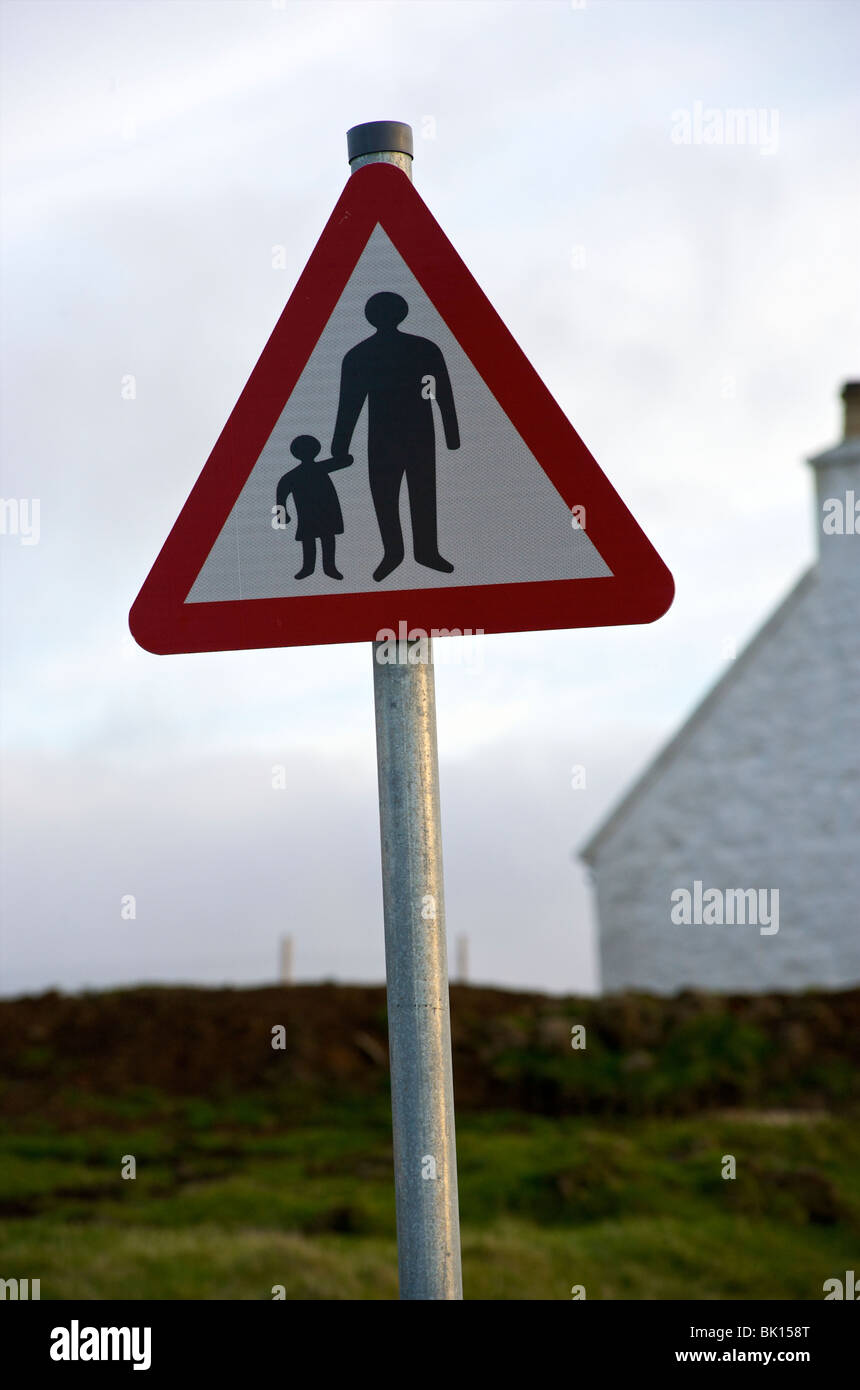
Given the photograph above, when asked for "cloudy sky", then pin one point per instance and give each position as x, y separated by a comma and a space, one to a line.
692, 307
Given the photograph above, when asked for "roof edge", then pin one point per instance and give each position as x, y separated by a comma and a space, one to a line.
846, 451
666, 754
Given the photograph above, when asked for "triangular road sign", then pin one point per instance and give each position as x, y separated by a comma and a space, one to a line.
394, 459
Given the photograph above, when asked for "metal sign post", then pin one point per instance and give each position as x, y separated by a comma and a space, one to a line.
419, 1026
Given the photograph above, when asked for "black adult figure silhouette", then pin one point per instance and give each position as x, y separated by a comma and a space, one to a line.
318, 511
399, 374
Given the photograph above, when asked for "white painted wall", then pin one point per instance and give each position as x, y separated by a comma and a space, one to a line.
762, 791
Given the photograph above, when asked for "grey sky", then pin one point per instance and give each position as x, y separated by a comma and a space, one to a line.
693, 308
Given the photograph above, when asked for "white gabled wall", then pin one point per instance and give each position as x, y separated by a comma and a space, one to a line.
762, 791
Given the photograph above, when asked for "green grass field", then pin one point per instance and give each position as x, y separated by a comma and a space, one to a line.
257, 1168
628, 1209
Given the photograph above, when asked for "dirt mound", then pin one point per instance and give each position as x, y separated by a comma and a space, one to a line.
641, 1054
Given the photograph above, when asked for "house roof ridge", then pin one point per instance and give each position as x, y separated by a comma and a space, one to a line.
669, 749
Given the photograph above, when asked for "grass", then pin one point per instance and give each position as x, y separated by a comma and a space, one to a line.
724, 1257
630, 1208
258, 1167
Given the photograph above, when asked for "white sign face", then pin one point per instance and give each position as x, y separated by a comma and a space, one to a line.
484, 510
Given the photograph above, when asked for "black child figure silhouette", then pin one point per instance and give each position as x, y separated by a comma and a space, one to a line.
318, 511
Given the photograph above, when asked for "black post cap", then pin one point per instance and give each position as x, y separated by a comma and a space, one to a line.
374, 137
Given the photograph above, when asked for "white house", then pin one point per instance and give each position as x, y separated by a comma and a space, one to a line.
734, 862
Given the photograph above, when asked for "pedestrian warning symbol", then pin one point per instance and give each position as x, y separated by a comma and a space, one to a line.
394, 457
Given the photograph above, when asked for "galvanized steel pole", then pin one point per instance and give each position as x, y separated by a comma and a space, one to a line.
419, 1027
